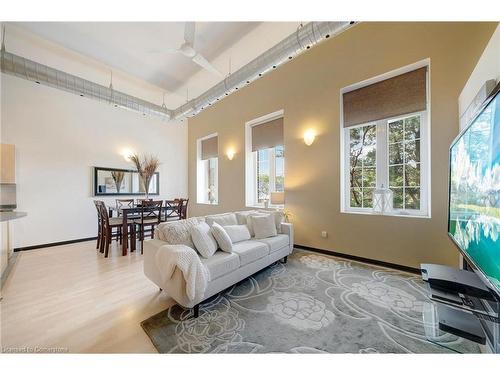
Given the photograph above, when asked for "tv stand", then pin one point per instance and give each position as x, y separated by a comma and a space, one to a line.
463, 305
453, 280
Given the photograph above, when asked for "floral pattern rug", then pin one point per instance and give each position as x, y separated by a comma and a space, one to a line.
312, 304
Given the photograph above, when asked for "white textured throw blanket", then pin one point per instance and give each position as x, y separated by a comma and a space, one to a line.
186, 259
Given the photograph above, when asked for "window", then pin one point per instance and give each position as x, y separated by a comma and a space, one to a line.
270, 172
207, 170
265, 159
362, 165
212, 186
390, 153
404, 162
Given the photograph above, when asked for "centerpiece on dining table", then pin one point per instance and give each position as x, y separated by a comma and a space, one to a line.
146, 167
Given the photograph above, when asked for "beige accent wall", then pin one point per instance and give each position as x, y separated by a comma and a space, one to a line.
308, 90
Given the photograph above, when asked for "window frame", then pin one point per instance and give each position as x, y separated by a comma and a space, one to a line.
382, 165
202, 174
382, 151
251, 190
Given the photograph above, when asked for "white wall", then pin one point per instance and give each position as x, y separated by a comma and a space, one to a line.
488, 67
59, 137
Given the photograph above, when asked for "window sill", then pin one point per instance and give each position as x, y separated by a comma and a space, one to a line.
208, 204
270, 207
370, 213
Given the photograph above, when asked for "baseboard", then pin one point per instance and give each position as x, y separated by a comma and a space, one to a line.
69, 242
54, 244
360, 259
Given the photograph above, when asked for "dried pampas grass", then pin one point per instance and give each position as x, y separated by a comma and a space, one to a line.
146, 167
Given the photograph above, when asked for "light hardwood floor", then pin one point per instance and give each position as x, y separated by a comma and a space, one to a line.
71, 297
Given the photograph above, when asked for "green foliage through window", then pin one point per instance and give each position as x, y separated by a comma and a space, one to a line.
363, 159
404, 162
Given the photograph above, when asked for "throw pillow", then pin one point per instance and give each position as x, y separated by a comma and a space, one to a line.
203, 240
237, 233
249, 222
222, 238
278, 218
242, 216
264, 226
177, 232
222, 219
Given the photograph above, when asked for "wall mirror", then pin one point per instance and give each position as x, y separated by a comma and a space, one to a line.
113, 181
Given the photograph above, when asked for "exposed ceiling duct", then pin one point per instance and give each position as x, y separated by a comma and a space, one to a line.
303, 39
43, 74
298, 42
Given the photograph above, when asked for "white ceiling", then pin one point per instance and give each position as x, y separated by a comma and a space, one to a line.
129, 46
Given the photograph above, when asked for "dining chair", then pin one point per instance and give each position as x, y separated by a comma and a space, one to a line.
172, 209
99, 223
108, 223
123, 203
140, 200
150, 217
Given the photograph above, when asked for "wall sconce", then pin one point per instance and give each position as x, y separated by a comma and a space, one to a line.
230, 154
309, 137
127, 153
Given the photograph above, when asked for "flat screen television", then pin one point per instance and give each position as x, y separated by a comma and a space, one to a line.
474, 192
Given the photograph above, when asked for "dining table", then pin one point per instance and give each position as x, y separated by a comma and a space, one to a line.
134, 212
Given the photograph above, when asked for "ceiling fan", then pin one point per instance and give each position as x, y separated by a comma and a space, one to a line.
187, 49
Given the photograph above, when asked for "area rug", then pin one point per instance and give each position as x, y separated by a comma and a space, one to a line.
312, 304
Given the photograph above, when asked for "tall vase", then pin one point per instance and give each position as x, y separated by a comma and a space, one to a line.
147, 182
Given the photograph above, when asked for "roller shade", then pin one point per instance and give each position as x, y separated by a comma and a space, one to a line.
267, 135
392, 97
210, 148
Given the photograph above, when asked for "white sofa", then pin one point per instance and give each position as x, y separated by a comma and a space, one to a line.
224, 269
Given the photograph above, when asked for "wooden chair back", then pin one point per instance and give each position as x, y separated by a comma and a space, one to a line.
98, 209
151, 210
104, 214
173, 209
123, 203
139, 201
184, 208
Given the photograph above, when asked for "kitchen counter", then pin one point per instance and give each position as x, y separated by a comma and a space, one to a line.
11, 215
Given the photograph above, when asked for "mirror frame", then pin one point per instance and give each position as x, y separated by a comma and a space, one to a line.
97, 194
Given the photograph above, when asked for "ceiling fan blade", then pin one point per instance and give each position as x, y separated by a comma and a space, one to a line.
189, 30
165, 50
205, 64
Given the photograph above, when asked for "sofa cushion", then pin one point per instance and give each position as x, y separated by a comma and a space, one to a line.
177, 232
237, 233
222, 219
221, 263
264, 226
203, 240
249, 251
222, 238
276, 243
